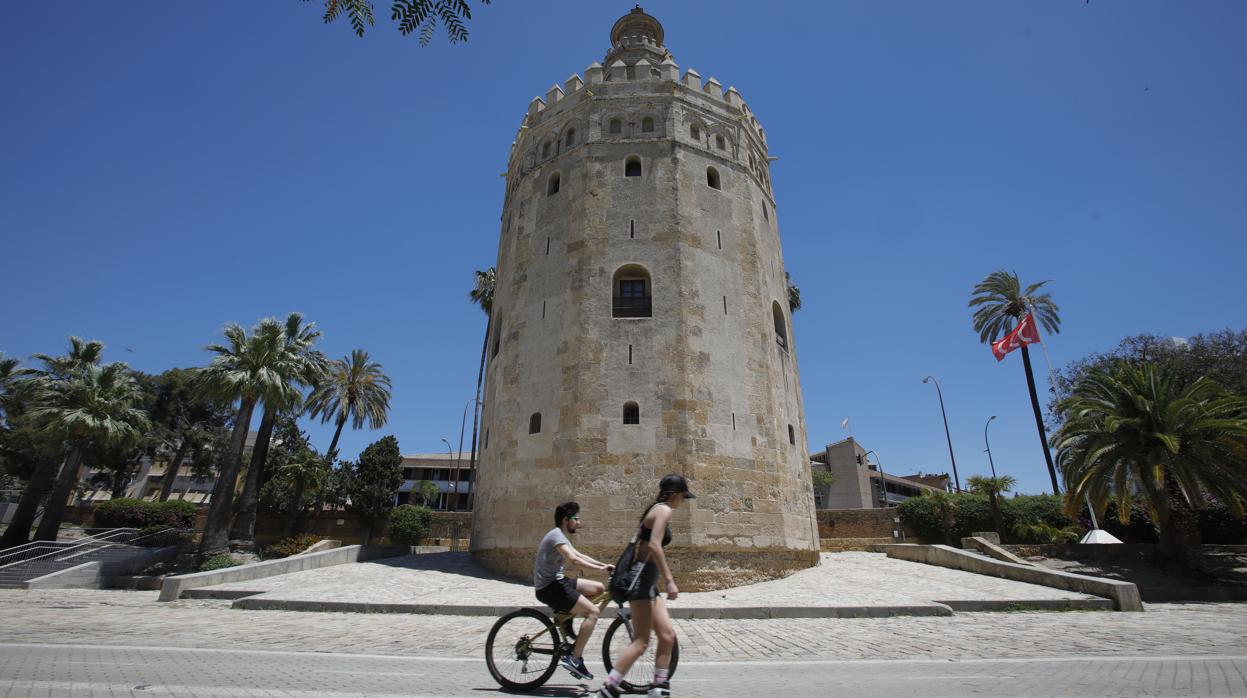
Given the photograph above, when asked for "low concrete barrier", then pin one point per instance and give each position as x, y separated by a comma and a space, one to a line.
84, 576
991, 549
1125, 596
173, 587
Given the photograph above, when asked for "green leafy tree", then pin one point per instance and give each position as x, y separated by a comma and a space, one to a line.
47, 450
992, 488
94, 404
481, 295
409, 524
419, 17
246, 368
1138, 426
945, 507
794, 294
185, 421
1221, 356
374, 481
1001, 303
424, 493
353, 388
299, 365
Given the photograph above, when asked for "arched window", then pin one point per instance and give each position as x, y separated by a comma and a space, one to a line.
545, 149
632, 166
694, 132
792, 435
534, 423
616, 127
552, 187
712, 178
647, 125
720, 143
571, 137
631, 292
631, 413
781, 327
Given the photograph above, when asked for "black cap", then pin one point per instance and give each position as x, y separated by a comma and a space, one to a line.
675, 483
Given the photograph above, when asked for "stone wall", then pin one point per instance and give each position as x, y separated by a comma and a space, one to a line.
861, 523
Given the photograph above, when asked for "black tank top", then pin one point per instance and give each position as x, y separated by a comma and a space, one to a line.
646, 532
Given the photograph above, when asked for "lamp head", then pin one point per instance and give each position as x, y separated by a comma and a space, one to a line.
924, 380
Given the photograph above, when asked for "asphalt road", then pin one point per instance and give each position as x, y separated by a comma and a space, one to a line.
90, 670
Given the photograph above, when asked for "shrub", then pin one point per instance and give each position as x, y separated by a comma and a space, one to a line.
1217, 525
138, 513
1034, 509
973, 512
409, 524
291, 546
1140, 528
1040, 532
218, 562
163, 536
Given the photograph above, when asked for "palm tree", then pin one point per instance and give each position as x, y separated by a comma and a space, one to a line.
993, 487
95, 404
247, 369
24, 382
482, 294
1002, 303
794, 294
298, 365
353, 388
946, 506
1138, 427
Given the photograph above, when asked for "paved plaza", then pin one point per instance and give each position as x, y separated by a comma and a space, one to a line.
841, 580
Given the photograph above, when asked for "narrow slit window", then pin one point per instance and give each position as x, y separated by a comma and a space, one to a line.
719, 235
534, 423
765, 213
553, 187
632, 228
733, 421
632, 166
486, 443
725, 305
792, 435
629, 354
571, 137
543, 310
547, 245
631, 413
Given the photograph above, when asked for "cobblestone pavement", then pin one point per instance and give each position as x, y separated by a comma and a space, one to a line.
136, 618
84, 670
842, 579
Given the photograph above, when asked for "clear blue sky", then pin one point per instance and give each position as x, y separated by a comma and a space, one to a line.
167, 167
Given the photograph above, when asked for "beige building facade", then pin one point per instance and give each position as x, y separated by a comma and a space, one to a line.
641, 327
857, 480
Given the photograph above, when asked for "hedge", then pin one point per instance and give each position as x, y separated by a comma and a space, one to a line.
409, 524
139, 513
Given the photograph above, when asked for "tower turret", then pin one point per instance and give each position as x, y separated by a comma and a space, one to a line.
640, 326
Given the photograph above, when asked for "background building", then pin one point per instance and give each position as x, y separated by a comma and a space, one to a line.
441, 470
856, 484
641, 326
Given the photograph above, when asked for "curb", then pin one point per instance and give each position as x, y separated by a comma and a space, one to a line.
988, 605
256, 603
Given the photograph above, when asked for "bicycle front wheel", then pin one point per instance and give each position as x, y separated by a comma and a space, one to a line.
522, 649
641, 674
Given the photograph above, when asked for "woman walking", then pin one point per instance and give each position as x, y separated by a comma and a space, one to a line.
649, 610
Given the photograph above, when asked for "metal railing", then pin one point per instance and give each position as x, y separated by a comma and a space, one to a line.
41, 549
632, 307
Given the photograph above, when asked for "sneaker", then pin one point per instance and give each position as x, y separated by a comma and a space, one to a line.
608, 692
576, 667
659, 690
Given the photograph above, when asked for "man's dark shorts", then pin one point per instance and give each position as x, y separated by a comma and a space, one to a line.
561, 595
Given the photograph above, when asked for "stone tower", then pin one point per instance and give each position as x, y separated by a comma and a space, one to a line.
641, 326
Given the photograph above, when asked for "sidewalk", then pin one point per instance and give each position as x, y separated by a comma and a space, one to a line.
844, 585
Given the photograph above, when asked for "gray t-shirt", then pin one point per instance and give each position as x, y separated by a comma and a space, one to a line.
549, 567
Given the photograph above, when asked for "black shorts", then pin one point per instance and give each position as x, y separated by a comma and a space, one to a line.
646, 585
561, 595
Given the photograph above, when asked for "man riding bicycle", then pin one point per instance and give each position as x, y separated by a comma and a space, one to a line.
564, 594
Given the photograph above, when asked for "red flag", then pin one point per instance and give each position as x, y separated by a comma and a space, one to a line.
1025, 333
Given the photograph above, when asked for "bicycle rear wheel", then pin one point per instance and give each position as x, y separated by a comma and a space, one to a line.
522, 649
641, 674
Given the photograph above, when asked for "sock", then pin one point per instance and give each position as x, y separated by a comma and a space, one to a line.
614, 678
661, 674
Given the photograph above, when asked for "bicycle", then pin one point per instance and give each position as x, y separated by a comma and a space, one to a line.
524, 646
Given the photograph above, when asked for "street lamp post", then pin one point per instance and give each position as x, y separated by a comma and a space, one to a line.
459, 456
989, 446
450, 457
951, 457
883, 478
